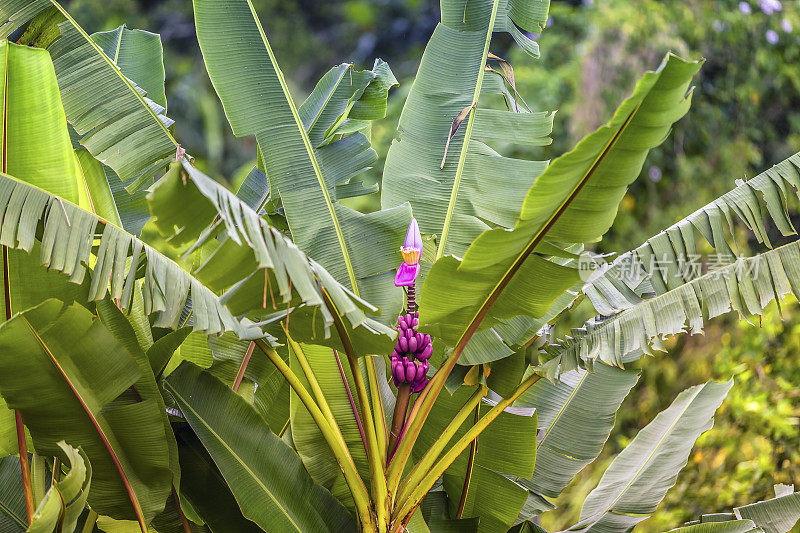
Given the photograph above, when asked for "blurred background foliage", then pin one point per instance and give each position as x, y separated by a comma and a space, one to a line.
744, 118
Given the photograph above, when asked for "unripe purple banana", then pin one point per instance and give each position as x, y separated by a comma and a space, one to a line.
401, 372
411, 372
402, 342
425, 354
412, 344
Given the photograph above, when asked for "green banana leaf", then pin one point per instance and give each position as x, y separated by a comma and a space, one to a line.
460, 187
778, 515
33, 118
639, 477
83, 375
358, 250
166, 287
64, 501
733, 526
125, 129
13, 518
139, 56
8, 431
266, 476
756, 203
456, 201
573, 201
206, 489
746, 286
576, 414
654, 291
191, 207
146, 387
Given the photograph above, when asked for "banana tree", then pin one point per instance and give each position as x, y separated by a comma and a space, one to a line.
261, 360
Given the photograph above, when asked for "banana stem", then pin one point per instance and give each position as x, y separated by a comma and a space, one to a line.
427, 461
408, 506
25, 467
20, 427
376, 467
342, 454
400, 410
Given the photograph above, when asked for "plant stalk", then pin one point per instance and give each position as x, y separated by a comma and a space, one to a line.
243, 367
315, 388
184, 522
23, 462
473, 450
56, 471
22, 445
427, 461
418, 492
376, 468
342, 454
400, 410
378, 410
403, 394
350, 398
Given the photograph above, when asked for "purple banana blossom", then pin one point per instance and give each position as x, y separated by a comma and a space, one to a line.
413, 349
411, 251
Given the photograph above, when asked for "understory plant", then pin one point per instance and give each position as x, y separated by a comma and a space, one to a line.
176, 356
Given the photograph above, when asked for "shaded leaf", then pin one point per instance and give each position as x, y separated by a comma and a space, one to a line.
265, 475
82, 373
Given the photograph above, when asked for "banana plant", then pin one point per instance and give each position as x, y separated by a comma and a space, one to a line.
266, 360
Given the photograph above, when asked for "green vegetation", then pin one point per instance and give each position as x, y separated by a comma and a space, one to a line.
251, 353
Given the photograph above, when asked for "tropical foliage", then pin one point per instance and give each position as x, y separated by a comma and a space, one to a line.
176, 356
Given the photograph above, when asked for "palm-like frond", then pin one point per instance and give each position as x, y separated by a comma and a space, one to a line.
664, 261
121, 259
457, 185
187, 204
658, 289
574, 200
747, 286
639, 477
120, 125
358, 250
